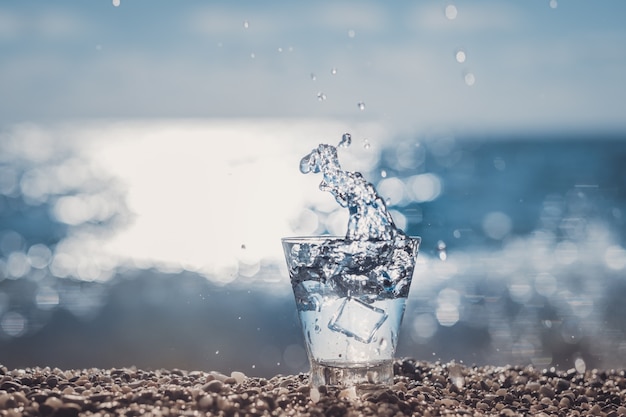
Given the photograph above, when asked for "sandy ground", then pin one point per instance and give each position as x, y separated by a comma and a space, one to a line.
420, 388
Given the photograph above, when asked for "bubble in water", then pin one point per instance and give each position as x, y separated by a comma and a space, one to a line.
451, 12
361, 105
470, 79
116, 3
346, 140
460, 56
321, 96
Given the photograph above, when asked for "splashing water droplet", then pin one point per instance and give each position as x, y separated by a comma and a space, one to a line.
470, 79
313, 77
369, 218
366, 144
451, 12
383, 173
333, 71
116, 3
361, 105
553, 4
252, 55
351, 33
217, 352
280, 49
460, 56
321, 96
246, 24
346, 140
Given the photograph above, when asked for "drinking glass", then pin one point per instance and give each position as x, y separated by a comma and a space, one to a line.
350, 297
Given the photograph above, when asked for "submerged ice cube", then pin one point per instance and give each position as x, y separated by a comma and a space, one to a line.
357, 319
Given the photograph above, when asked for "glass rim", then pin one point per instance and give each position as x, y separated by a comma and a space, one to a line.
319, 238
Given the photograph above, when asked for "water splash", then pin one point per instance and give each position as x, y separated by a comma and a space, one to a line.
369, 218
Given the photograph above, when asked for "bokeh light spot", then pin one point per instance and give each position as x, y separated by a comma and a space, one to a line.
424, 326
13, 324
424, 187
615, 258
47, 298
451, 12
497, 225
392, 190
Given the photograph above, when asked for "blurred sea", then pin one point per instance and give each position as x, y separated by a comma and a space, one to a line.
157, 243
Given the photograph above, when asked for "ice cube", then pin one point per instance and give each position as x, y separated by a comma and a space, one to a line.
354, 318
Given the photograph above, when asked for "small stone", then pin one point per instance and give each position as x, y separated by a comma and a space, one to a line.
7, 401
205, 402
533, 386
565, 403
68, 410
239, 376
562, 384
546, 391
52, 381
214, 386
596, 410
53, 402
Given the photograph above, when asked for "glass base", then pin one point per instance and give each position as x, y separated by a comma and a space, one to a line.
349, 375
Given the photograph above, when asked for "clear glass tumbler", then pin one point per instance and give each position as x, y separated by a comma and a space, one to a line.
350, 297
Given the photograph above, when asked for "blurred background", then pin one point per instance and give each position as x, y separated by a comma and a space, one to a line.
149, 161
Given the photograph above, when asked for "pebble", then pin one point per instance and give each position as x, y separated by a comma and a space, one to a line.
420, 388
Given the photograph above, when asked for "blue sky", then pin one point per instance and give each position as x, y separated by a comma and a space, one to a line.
528, 64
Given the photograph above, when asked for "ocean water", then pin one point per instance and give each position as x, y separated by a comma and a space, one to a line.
156, 243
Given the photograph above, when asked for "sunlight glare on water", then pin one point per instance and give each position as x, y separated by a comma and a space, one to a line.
198, 192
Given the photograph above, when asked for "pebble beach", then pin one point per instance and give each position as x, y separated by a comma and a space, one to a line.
419, 389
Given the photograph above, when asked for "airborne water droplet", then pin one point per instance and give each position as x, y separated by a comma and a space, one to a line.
313, 77
333, 71
346, 140
321, 96
460, 56
116, 3
361, 105
246, 24
366, 144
